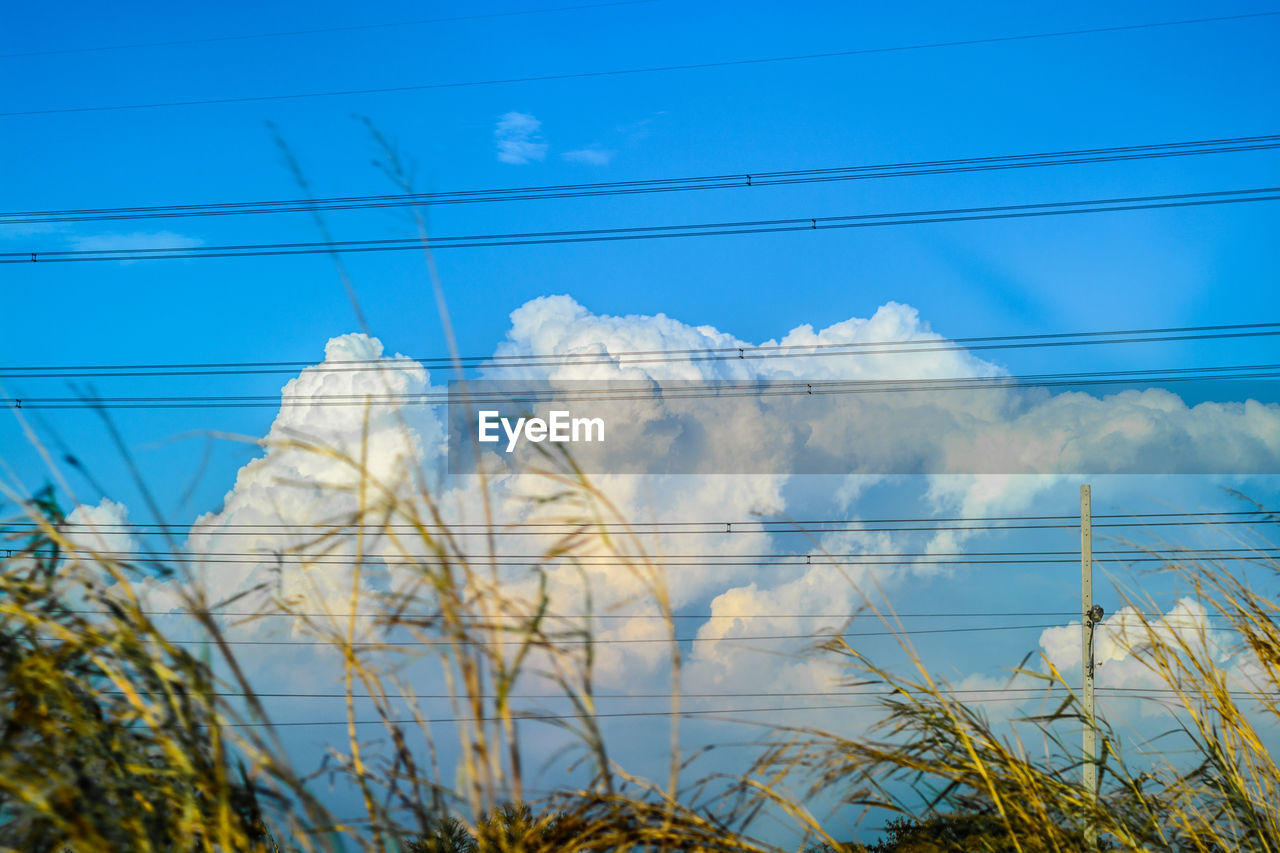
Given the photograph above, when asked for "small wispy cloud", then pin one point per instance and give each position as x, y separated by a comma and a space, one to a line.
519, 140
111, 242
592, 155
136, 240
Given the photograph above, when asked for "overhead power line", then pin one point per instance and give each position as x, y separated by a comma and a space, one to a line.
959, 693
669, 393
610, 641
635, 187
529, 716
623, 72
838, 561
654, 232
803, 526
392, 614
682, 561
709, 559
709, 526
719, 712
324, 30
632, 357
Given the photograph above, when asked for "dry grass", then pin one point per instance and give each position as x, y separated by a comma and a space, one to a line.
933, 753
113, 737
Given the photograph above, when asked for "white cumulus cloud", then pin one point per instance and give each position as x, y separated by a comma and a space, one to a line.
289, 489
100, 528
310, 472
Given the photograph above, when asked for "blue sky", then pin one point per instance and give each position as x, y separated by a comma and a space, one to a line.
1196, 81
1107, 271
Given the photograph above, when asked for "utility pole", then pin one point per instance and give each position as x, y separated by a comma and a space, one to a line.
1091, 616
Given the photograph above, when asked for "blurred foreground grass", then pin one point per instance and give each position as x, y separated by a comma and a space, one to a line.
113, 736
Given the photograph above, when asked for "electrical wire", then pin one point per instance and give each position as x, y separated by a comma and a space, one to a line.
676, 526
664, 713
706, 182
529, 716
773, 527
624, 390
323, 30
833, 561
623, 72
1031, 692
795, 526
393, 614
610, 641
708, 560
630, 357
653, 232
